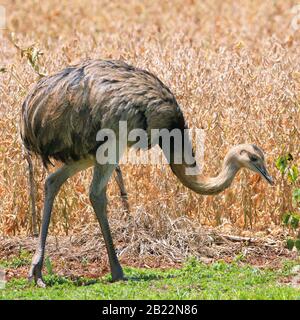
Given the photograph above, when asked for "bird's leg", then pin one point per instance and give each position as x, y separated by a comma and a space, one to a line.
123, 192
52, 185
102, 173
32, 193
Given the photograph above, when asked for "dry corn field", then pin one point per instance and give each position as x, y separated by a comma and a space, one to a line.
234, 68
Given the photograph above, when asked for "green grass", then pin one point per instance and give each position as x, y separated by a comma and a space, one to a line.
23, 259
193, 281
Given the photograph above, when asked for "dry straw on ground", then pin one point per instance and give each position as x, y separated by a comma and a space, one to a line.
235, 70
145, 241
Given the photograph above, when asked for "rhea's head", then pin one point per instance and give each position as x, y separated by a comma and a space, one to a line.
249, 156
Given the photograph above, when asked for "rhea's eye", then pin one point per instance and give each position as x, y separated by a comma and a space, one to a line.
254, 159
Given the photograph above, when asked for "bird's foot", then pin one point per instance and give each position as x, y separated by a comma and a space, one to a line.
117, 274
35, 274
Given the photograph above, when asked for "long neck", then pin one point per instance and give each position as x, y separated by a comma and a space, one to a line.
207, 185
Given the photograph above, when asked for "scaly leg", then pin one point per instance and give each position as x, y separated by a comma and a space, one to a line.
102, 173
52, 185
123, 192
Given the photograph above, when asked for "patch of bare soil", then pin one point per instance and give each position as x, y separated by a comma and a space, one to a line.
145, 241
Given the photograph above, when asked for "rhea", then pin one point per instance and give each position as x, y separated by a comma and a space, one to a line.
60, 119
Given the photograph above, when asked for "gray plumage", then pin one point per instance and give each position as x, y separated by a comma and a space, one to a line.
63, 112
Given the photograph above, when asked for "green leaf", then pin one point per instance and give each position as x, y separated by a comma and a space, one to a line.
293, 173
286, 218
296, 195
290, 244
48, 266
297, 244
281, 164
295, 221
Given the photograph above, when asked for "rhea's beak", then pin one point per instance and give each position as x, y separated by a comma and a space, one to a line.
263, 172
